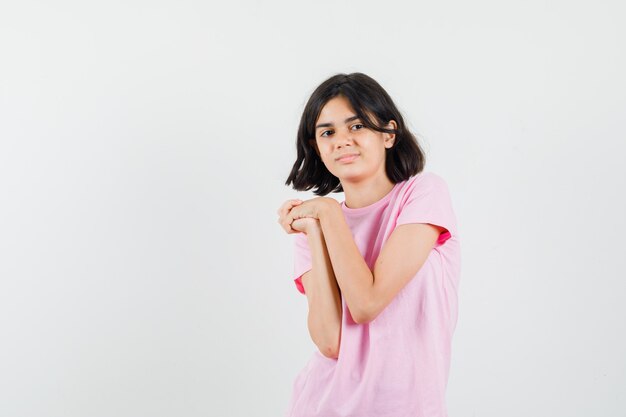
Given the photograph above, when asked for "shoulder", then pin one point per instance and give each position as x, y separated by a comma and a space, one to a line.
424, 181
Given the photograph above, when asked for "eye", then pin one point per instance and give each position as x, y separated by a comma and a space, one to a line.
323, 134
360, 126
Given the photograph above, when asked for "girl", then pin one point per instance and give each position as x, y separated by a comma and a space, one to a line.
380, 269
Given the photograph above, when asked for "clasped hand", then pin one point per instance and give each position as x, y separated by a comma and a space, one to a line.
297, 216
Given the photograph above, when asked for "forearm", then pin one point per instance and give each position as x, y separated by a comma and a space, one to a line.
325, 310
352, 273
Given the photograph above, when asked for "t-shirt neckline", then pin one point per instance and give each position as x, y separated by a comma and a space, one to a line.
372, 206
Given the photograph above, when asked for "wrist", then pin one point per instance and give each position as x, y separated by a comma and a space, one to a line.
314, 229
327, 208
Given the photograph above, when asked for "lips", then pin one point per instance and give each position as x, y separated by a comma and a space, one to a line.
346, 157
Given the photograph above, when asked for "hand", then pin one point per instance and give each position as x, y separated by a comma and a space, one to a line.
296, 215
282, 214
316, 208
306, 225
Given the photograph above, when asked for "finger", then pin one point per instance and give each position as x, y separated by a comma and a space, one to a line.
293, 203
292, 206
287, 204
287, 223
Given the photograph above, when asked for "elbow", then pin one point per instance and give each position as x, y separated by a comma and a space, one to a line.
362, 320
331, 352
330, 348
366, 309
365, 314
363, 317
327, 338
368, 313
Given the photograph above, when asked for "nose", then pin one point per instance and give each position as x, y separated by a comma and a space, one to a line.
344, 138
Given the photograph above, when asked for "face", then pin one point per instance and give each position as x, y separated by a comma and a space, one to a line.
339, 132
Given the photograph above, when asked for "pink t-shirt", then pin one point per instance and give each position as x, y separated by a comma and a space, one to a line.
396, 365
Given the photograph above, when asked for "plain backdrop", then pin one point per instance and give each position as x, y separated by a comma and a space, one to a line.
144, 148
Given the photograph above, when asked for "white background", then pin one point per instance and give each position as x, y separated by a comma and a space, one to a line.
144, 148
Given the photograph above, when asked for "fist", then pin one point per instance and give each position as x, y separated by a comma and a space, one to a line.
301, 225
305, 225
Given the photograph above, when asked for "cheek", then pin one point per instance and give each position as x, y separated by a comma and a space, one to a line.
325, 150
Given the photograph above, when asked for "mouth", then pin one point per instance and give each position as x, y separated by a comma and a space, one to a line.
348, 158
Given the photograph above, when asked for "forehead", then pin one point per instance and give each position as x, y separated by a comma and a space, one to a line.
336, 109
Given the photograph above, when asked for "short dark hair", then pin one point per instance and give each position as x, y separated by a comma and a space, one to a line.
403, 160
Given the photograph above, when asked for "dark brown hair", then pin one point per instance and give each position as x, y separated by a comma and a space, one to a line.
403, 160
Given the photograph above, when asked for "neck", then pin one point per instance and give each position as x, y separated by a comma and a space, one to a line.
366, 192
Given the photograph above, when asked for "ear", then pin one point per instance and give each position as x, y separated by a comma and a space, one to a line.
390, 138
313, 143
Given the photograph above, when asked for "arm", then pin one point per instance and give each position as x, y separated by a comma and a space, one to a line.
352, 273
367, 293
323, 295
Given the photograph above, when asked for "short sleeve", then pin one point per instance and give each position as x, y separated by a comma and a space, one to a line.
427, 200
302, 259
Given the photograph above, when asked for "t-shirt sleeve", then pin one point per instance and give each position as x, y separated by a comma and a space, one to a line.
428, 200
302, 259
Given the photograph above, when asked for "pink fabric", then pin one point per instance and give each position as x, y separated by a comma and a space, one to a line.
397, 365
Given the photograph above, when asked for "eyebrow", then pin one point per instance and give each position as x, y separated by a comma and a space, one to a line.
349, 119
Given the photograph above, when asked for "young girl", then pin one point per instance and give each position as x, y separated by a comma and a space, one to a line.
381, 269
